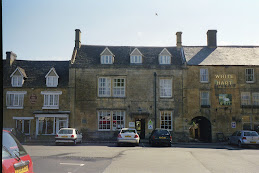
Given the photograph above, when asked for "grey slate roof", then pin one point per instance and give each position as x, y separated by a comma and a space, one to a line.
36, 72
89, 56
222, 55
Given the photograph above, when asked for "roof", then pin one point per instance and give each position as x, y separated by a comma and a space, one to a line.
36, 72
89, 56
222, 55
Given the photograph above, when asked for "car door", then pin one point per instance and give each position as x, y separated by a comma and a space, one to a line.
79, 136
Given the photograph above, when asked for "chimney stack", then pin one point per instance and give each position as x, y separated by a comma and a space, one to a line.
212, 38
10, 58
179, 39
78, 38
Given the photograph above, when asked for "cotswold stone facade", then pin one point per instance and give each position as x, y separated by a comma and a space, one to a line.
197, 92
120, 86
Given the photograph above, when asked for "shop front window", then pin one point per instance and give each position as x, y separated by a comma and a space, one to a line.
23, 125
46, 125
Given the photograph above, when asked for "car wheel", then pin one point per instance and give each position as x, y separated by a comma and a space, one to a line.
137, 144
239, 144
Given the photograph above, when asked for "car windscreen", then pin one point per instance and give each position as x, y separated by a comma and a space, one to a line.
162, 132
128, 131
11, 146
250, 134
65, 131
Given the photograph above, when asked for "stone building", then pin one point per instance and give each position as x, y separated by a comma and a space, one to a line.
112, 87
35, 95
221, 89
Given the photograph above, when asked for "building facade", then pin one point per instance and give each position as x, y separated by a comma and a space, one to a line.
35, 96
197, 92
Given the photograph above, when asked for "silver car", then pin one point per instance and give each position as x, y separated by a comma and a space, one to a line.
128, 135
244, 137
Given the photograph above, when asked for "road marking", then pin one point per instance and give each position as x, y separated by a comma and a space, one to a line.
75, 164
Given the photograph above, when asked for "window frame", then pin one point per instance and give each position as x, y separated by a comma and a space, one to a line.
168, 113
110, 114
16, 79
109, 88
255, 98
245, 102
107, 59
207, 99
165, 59
204, 75
136, 59
10, 102
164, 88
50, 97
248, 75
53, 82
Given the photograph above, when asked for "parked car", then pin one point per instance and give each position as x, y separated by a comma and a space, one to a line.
244, 137
14, 156
68, 135
17, 133
129, 136
160, 137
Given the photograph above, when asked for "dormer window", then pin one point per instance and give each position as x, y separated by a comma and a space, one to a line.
106, 59
107, 56
52, 78
136, 57
165, 57
17, 77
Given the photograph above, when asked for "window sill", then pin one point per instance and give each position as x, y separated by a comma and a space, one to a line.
10, 107
50, 107
250, 82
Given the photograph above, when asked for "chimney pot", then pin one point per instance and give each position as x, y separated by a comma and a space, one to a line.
212, 38
179, 39
78, 38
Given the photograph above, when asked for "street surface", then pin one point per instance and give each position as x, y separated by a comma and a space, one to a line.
108, 158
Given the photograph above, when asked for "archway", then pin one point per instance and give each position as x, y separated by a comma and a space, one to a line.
201, 129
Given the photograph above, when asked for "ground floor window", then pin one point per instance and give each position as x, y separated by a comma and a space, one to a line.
250, 123
23, 124
50, 124
111, 120
166, 119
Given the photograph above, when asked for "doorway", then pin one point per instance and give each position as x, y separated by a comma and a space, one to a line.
201, 129
140, 127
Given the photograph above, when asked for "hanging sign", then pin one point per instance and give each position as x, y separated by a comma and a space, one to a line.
233, 124
150, 124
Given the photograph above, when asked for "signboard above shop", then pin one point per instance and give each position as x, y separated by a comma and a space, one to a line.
225, 80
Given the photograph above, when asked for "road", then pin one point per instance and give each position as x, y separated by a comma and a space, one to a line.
109, 158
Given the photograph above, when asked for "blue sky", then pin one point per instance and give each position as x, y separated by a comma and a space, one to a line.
45, 29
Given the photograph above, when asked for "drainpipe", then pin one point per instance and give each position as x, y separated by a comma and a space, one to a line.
155, 96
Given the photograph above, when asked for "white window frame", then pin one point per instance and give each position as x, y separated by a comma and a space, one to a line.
15, 102
23, 119
164, 59
106, 59
17, 81
245, 98
51, 99
136, 59
104, 87
116, 122
165, 87
167, 123
119, 91
204, 75
52, 81
205, 99
55, 121
249, 75
109, 114
255, 97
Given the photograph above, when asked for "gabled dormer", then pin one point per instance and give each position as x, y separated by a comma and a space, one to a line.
107, 57
17, 77
164, 57
52, 78
136, 57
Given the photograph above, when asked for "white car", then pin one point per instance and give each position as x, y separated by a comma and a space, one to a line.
68, 135
128, 135
244, 137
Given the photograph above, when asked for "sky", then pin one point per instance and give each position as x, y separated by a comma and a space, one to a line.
45, 29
